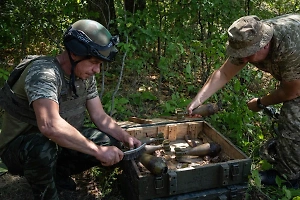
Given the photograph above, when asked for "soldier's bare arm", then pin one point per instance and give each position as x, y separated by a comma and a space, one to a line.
61, 132
215, 82
108, 125
286, 91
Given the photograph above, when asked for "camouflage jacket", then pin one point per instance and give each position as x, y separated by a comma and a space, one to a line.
283, 61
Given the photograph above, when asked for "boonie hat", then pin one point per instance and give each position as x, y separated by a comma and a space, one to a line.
247, 35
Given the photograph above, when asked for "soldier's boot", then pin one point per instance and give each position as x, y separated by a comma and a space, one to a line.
293, 184
268, 177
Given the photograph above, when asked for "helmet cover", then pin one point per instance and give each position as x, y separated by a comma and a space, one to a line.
90, 38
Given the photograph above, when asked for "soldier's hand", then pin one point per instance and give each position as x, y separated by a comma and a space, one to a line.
252, 105
194, 104
109, 155
131, 142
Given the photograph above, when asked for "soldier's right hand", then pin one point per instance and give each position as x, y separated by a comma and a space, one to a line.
109, 155
194, 104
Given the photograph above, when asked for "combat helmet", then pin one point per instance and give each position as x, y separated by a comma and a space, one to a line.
89, 38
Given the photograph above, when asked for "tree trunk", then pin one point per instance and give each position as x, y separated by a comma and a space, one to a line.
134, 5
106, 11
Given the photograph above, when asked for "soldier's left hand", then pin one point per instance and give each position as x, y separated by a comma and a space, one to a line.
132, 142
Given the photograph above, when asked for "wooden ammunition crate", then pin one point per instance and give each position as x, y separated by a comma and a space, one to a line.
193, 179
231, 192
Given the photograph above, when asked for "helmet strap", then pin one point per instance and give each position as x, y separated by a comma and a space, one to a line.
72, 75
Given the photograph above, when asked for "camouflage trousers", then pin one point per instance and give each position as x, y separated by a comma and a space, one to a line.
40, 160
288, 158
288, 142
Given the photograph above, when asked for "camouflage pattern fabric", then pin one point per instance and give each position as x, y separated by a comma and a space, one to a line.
288, 158
30, 154
283, 63
40, 160
50, 83
44, 79
34, 157
288, 142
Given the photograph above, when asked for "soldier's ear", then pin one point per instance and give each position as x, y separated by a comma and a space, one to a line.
76, 57
267, 46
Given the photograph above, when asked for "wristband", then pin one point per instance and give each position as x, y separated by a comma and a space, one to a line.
259, 104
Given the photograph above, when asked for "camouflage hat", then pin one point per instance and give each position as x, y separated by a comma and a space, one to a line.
248, 35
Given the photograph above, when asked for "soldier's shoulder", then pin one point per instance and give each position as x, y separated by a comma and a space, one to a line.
44, 65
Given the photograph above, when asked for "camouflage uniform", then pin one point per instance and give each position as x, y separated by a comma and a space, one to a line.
26, 151
283, 62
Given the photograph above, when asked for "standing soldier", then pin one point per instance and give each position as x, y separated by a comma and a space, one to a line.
273, 46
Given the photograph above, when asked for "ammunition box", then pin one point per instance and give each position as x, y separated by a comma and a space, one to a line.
219, 180
232, 192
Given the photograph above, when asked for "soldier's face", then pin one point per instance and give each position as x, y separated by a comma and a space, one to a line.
258, 56
87, 68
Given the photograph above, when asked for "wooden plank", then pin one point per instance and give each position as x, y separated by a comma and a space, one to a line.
193, 130
172, 132
139, 120
136, 132
163, 129
228, 147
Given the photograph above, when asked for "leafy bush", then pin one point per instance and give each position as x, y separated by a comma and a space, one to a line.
168, 50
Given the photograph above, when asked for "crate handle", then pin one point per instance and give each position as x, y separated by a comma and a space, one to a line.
235, 171
159, 182
173, 182
224, 174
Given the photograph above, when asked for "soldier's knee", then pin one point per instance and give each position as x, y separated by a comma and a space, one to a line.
44, 151
99, 137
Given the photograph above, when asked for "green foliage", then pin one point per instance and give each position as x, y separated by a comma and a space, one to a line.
3, 168
139, 98
4, 74
36, 27
176, 101
281, 192
171, 49
236, 120
265, 165
116, 109
256, 179
106, 178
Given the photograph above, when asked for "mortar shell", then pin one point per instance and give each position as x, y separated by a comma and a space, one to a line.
154, 164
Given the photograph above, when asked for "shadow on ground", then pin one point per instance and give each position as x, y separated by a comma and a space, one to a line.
17, 188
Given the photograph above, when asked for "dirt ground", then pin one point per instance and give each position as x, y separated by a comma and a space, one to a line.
17, 188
